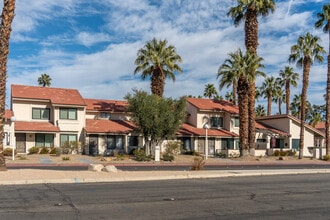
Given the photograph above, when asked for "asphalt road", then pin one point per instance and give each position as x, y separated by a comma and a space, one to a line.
174, 167
264, 197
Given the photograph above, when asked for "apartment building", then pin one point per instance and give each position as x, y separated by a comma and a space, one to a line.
50, 117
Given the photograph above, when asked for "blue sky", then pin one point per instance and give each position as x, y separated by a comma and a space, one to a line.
91, 45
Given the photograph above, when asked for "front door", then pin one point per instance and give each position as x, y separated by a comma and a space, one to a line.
20, 143
93, 145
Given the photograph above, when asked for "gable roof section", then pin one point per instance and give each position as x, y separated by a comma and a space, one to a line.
106, 105
35, 126
187, 129
57, 96
264, 128
108, 126
296, 120
213, 105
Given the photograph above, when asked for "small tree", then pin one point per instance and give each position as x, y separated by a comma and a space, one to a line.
156, 118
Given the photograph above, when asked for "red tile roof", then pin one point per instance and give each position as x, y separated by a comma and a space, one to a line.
108, 126
187, 129
58, 96
213, 105
8, 114
320, 125
106, 105
35, 126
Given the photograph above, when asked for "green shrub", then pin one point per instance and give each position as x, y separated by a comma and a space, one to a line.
326, 157
55, 151
9, 151
173, 147
140, 155
284, 153
34, 150
221, 155
168, 157
66, 158
44, 150
119, 156
198, 163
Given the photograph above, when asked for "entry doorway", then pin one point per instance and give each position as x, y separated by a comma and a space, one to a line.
93, 145
20, 143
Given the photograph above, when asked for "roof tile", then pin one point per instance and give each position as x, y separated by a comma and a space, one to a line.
58, 96
106, 105
35, 126
213, 105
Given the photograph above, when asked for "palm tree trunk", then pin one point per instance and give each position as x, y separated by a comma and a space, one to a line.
287, 98
269, 105
327, 122
252, 119
5, 30
280, 107
157, 82
251, 30
234, 92
251, 44
243, 101
306, 70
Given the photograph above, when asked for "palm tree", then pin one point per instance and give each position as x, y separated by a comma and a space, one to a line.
295, 106
244, 65
267, 89
228, 77
210, 91
229, 96
249, 10
260, 111
324, 23
7, 17
279, 95
158, 61
304, 53
289, 78
44, 80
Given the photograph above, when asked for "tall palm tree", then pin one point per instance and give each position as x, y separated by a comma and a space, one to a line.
210, 91
249, 10
289, 78
267, 89
260, 111
7, 16
44, 80
244, 65
158, 61
304, 53
324, 23
279, 95
295, 107
228, 77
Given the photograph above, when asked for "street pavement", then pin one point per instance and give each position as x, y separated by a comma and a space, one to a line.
39, 176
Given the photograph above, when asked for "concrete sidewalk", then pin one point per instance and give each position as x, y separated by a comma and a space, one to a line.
38, 176
35, 176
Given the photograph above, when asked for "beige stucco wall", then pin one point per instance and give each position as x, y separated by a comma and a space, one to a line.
23, 110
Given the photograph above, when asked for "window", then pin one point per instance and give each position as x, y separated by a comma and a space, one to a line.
133, 141
44, 140
40, 113
115, 142
68, 113
216, 121
236, 124
227, 143
65, 139
105, 115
